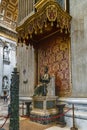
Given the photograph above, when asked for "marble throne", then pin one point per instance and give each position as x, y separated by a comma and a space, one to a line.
51, 87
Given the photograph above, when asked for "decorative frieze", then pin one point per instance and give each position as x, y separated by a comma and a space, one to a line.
8, 32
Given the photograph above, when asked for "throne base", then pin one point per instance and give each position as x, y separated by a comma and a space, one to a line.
44, 109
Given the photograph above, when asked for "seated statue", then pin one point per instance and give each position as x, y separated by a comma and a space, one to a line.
41, 89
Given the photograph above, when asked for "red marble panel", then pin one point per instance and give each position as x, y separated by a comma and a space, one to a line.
54, 52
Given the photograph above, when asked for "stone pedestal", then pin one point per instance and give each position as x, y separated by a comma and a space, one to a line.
25, 103
44, 109
28, 108
61, 120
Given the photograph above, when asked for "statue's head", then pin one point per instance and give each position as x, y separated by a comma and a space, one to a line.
45, 69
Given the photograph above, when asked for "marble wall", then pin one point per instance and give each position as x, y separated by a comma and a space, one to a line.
78, 11
1, 66
26, 64
6, 66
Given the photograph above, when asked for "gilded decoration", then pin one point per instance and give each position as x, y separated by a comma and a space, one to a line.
48, 13
49, 28
9, 13
51, 13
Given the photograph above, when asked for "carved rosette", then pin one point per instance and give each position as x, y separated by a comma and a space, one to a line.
51, 13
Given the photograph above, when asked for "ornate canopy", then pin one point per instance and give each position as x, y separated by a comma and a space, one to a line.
48, 18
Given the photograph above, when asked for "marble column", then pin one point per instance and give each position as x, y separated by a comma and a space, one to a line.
19, 65
33, 69
24, 69
1, 67
25, 7
20, 10
79, 48
26, 4
30, 6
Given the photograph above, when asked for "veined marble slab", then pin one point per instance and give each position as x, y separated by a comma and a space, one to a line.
74, 100
80, 112
25, 98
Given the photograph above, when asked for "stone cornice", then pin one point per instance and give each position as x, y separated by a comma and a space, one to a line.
10, 33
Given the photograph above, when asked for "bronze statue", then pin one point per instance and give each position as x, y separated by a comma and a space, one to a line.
41, 89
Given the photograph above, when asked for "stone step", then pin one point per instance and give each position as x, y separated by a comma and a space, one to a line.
2, 120
58, 128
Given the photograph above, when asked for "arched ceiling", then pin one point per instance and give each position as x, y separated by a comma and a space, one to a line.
9, 12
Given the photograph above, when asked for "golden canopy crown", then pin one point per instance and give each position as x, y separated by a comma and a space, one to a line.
48, 14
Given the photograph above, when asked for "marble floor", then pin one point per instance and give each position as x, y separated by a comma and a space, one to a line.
25, 122
3, 111
57, 128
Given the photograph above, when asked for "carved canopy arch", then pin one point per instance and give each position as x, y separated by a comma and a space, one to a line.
49, 17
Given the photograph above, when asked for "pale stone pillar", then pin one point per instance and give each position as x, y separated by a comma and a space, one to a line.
27, 72
79, 48
18, 55
19, 10
21, 70
1, 67
31, 77
33, 69
27, 69
25, 7
22, 9
30, 6
19, 66
24, 69
28, 9
26, 4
